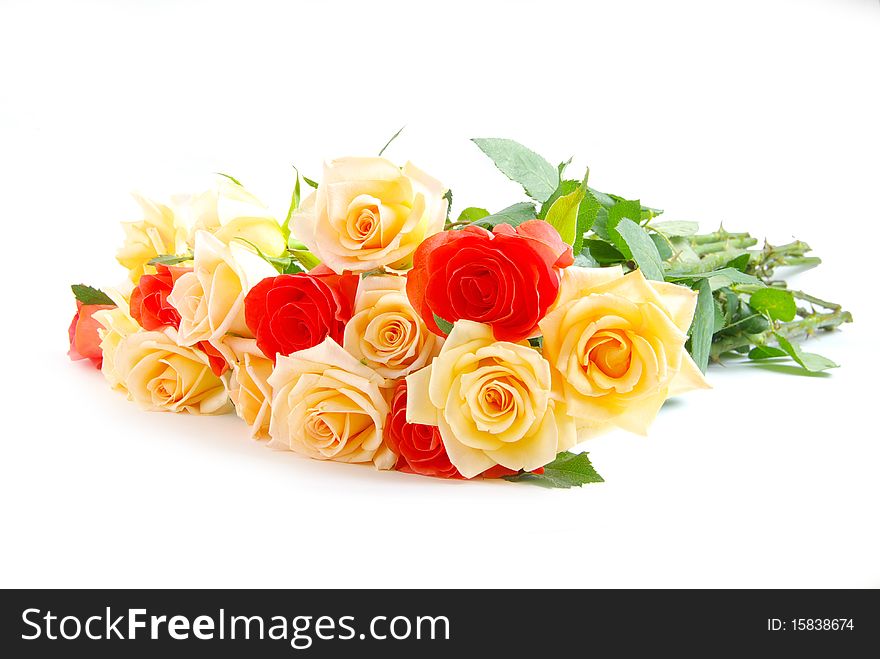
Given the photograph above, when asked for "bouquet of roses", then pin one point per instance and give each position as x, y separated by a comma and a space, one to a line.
371, 327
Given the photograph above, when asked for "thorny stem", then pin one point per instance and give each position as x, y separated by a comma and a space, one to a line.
797, 329
725, 244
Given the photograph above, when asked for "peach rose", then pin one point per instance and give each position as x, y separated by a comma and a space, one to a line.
159, 374
210, 299
385, 332
617, 343
327, 405
249, 383
368, 213
492, 401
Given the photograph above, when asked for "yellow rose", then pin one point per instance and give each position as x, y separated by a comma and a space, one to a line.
329, 406
116, 325
368, 213
618, 346
493, 402
249, 383
229, 211
159, 374
386, 333
161, 231
210, 299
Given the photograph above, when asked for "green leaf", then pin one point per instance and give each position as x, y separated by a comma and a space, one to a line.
294, 204
444, 325
231, 178
642, 248
675, 228
90, 295
537, 342
291, 268
513, 215
718, 325
777, 303
310, 182
728, 275
766, 352
740, 262
169, 259
472, 214
624, 208
661, 242
702, 326
621, 209
603, 252
566, 186
393, 137
567, 470
537, 176
809, 361
561, 166
448, 197
563, 216
305, 258
586, 260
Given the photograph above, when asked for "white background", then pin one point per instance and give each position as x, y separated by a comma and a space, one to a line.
763, 114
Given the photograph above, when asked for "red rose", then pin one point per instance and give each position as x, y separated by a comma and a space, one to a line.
149, 304
506, 279
215, 358
83, 333
294, 312
419, 447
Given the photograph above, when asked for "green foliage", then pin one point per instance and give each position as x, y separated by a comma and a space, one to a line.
567, 470
170, 259
766, 352
471, 214
90, 295
513, 215
388, 143
231, 178
564, 215
675, 228
444, 325
294, 204
537, 176
809, 361
776, 303
703, 326
641, 248
603, 252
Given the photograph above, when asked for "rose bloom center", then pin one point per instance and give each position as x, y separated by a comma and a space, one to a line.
610, 351
363, 222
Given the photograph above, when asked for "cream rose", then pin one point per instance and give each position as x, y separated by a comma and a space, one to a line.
159, 374
492, 401
249, 383
385, 332
368, 213
329, 406
116, 324
210, 299
618, 344
160, 232
230, 212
